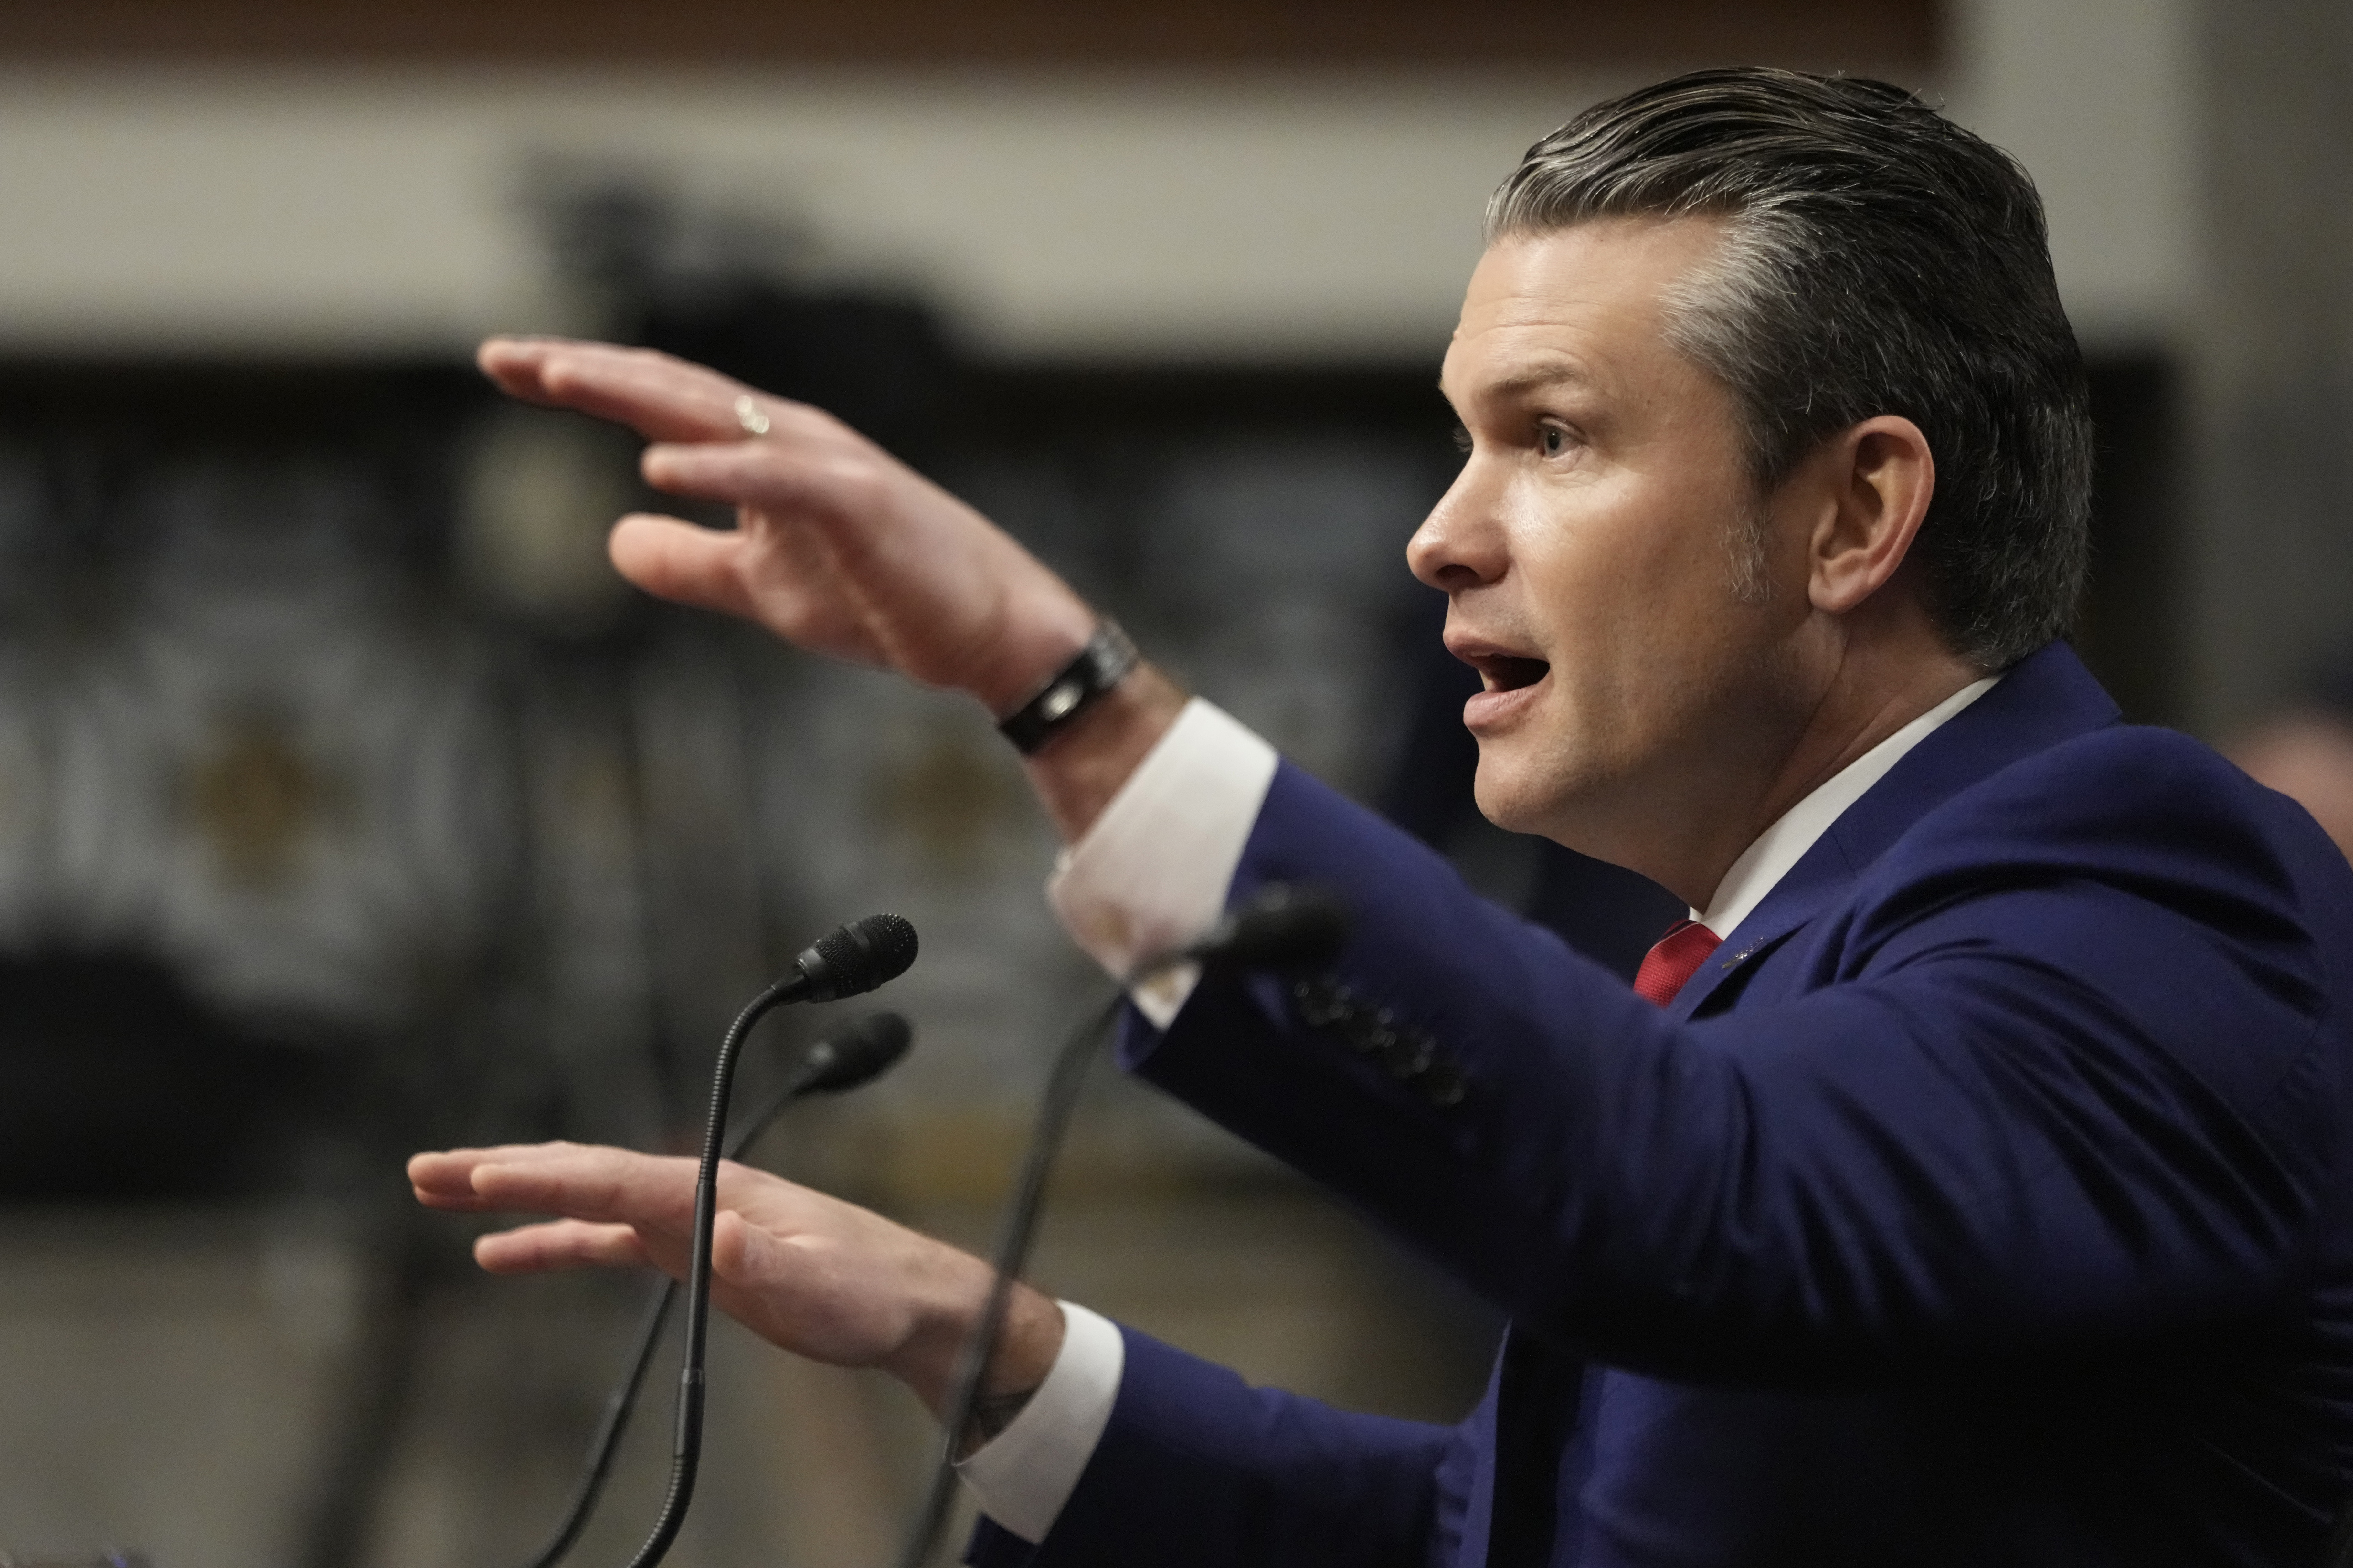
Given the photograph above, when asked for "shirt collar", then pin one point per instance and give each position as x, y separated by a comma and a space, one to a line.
1783, 845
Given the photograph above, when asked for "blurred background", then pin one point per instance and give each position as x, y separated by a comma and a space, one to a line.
348, 805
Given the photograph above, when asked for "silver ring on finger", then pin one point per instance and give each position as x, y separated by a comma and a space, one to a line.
748, 417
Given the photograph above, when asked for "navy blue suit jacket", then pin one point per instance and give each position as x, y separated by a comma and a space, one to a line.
1983, 1202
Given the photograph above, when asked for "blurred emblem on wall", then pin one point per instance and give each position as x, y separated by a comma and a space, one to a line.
268, 769
341, 786
349, 801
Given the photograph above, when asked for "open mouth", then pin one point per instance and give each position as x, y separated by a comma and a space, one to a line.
1508, 672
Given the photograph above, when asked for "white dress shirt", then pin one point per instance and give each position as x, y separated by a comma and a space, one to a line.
1151, 874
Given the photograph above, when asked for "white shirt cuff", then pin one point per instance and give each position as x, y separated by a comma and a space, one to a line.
1025, 1473
1151, 874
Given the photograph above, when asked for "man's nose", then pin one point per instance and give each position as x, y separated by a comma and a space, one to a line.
1459, 545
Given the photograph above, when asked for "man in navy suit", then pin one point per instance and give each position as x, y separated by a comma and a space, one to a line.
1964, 1183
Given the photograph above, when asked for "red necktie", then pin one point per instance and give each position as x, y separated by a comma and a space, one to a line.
1536, 1394
1672, 960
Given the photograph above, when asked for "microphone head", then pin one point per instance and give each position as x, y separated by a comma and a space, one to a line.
1284, 926
859, 1055
858, 957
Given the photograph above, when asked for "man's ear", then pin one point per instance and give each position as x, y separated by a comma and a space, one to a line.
1878, 478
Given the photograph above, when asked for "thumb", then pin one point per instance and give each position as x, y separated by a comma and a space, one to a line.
742, 1253
674, 560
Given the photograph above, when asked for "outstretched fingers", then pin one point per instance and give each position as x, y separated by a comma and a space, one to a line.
674, 560
594, 1184
660, 397
570, 1180
560, 1244
444, 1179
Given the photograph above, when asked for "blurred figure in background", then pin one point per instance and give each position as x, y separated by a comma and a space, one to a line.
2306, 752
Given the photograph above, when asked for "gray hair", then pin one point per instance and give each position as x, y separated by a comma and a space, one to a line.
1876, 259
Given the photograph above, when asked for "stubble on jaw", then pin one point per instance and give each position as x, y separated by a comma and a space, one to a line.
1747, 542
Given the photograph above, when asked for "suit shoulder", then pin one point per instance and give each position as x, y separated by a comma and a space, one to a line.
2118, 786
2150, 813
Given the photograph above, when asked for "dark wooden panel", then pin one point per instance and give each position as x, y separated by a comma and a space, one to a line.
2130, 631
1897, 35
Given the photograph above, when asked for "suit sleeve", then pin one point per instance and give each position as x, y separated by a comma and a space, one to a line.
2056, 1069
1196, 1467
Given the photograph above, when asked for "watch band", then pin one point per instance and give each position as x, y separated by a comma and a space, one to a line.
1099, 667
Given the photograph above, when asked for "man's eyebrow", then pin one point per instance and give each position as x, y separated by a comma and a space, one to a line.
1553, 373
1532, 378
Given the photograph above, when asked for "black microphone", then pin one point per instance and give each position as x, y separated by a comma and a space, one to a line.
1289, 927
854, 959
1282, 927
850, 961
871, 1048
855, 1057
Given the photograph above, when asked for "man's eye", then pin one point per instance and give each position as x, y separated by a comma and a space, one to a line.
1552, 440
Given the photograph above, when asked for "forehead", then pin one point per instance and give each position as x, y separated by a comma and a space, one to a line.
1580, 305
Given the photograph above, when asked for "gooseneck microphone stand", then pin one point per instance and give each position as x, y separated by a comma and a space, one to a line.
1069, 1076
868, 1049
845, 962
1282, 927
856, 958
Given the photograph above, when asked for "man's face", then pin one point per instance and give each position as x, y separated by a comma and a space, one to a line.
1593, 547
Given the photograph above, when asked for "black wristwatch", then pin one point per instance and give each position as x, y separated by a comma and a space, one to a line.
1099, 666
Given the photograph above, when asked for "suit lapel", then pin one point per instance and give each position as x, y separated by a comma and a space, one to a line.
2046, 697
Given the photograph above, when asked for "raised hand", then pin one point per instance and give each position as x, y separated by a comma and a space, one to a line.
844, 551
839, 547
819, 1277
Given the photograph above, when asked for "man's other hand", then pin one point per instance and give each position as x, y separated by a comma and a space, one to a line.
839, 547
821, 1278
843, 550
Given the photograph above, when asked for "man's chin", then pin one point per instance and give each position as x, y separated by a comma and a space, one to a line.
1511, 801
1573, 812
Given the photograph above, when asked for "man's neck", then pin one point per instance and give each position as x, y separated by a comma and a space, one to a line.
1851, 719
1863, 699
1777, 849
